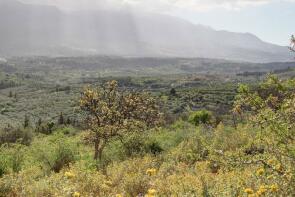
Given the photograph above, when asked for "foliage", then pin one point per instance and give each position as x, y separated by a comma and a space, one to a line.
12, 158
190, 151
112, 114
45, 128
13, 135
200, 117
55, 155
253, 158
272, 110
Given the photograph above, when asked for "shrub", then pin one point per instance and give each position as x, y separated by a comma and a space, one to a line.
270, 109
56, 155
12, 158
226, 138
134, 145
12, 135
63, 157
153, 147
45, 128
200, 117
16, 158
138, 144
190, 151
3, 164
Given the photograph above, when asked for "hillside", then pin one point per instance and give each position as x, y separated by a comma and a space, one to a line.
56, 83
48, 31
213, 136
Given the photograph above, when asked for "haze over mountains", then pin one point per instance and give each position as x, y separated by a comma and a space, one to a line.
45, 30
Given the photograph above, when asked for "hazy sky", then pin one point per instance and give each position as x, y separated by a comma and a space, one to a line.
271, 20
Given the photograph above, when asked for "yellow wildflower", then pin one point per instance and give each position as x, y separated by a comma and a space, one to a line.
278, 167
249, 191
119, 195
69, 175
274, 188
271, 162
151, 171
260, 172
151, 193
262, 190
76, 194
108, 183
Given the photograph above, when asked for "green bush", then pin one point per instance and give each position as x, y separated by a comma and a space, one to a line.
138, 144
16, 158
11, 158
200, 117
190, 151
134, 145
56, 154
153, 147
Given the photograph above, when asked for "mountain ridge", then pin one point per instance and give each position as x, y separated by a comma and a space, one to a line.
48, 31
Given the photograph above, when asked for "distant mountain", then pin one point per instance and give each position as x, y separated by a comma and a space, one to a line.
45, 30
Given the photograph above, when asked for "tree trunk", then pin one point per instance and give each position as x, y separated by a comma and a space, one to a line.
235, 121
96, 149
96, 146
100, 153
99, 145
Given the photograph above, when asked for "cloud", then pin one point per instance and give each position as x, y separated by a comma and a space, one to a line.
158, 5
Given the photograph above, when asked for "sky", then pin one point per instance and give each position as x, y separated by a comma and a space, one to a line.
270, 20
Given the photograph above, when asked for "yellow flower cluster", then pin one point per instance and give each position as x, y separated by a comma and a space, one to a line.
76, 194
119, 195
261, 191
108, 183
151, 193
69, 175
151, 171
279, 167
271, 162
274, 188
249, 191
260, 172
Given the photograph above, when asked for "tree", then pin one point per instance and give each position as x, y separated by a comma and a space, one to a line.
69, 121
26, 121
112, 114
292, 47
61, 119
173, 92
39, 123
50, 126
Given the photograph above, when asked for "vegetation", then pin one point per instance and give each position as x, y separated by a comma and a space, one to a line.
169, 135
200, 117
111, 114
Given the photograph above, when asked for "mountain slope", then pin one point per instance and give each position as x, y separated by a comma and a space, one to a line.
45, 30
